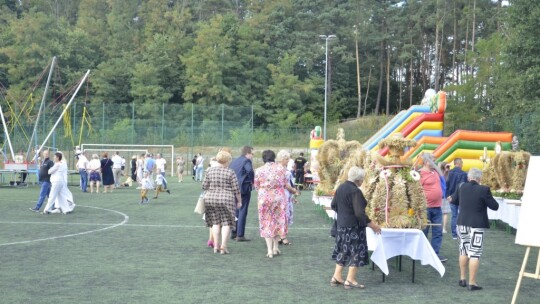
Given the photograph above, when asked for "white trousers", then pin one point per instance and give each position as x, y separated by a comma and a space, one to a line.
56, 195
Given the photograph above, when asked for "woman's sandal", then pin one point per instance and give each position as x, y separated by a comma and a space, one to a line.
334, 282
349, 285
277, 252
224, 250
284, 241
269, 255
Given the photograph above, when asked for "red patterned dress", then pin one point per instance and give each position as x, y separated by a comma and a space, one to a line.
270, 181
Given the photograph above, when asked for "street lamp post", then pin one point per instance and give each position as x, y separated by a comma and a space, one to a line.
326, 38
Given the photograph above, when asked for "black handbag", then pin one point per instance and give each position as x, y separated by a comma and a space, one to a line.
333, 230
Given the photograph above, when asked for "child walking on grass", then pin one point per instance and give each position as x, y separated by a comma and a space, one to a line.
146, 185
160, 181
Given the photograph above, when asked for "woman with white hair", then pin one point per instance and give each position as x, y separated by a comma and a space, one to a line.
283, 158
351, 248
95, 169
472, 200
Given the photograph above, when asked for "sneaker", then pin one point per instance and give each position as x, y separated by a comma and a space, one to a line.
442, 258
454, 238
34, 209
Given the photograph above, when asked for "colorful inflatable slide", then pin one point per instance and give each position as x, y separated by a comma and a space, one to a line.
424, 123
472, 146
415, 123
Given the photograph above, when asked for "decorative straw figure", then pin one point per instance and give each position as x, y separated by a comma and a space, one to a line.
396, 148
489, 176
396, 197
503, 169
336, 157
521, 161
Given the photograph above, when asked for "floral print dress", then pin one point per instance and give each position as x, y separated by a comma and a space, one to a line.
270, 181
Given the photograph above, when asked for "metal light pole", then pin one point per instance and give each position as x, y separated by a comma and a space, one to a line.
326, 38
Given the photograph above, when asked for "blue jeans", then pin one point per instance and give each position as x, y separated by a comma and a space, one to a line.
43, 193
453, 222
164, 181
241, 214
434, 215
84, 179
199, 173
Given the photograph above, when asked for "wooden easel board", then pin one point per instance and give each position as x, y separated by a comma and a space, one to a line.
529, 217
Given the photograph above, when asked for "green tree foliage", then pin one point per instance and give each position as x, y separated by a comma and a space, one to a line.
209, 62
268, 54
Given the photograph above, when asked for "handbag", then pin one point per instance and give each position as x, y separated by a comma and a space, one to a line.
333, 229
199, 208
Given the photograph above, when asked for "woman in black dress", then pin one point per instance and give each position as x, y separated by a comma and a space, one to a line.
106, 171
351, 244
134, 168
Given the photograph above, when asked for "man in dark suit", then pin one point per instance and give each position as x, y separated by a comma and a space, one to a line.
243, 168
456, 176
473, 200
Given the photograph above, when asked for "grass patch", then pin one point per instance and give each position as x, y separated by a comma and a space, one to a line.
160, 256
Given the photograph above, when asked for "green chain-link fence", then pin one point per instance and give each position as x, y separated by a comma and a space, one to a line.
194, 128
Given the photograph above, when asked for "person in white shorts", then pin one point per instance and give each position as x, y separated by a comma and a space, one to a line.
472, 200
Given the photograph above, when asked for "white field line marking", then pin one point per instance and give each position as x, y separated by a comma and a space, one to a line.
145, 225
126, 219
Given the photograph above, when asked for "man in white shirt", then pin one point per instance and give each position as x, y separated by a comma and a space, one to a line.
160, 165
290, 166
117, 168
82, 163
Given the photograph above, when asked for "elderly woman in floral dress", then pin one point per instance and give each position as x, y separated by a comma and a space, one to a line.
283, 159
271, 182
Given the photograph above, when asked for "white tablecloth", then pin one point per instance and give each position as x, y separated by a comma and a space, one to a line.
409, 242
324, 201
508, 212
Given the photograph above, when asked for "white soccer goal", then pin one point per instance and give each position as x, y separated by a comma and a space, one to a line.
132, 148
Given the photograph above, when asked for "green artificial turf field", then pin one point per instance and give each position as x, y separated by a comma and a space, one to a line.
113, 250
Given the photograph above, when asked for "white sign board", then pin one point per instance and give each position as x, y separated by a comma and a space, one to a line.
529, 218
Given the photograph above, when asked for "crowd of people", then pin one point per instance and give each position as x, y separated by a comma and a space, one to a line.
227, 185
96, 173
447, 192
